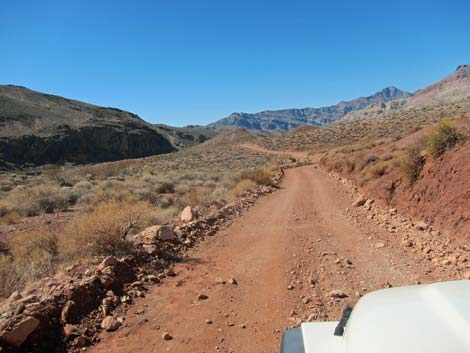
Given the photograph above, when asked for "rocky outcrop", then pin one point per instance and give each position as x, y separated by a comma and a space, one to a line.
84, 145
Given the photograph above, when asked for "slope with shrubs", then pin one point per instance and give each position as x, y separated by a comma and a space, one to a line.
424, 175
374, 129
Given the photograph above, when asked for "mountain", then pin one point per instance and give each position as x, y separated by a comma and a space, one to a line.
449, 91
38, 128
288, 119
453, 88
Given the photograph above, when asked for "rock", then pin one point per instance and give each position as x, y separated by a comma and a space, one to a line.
233, 281
167, 337
72, 331
407, 243
109, 261
150, 249
20, 332
336, 293
219, 280
151, 235
368, 204
187, 214
393, 211
110, 323
65, 315
379, 245
15, 296
209, 322
360, 201
202, 296
290, 287
421, 226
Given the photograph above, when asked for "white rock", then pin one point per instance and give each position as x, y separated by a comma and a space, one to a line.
187, 214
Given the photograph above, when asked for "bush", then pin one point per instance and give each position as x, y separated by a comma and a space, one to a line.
412, 163
442, 138
37, 200
260, 176
166, 188
103, 231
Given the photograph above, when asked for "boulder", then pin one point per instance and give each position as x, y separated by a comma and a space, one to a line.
187, 215
152, 235
108, 262
20, 332
110, 323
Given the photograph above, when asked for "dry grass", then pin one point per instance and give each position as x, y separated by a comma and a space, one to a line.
111, 200
103, 231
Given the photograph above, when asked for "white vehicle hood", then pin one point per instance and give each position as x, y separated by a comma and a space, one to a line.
431, 318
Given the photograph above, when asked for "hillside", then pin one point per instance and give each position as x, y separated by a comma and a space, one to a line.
288, 119
38, 128
450, 90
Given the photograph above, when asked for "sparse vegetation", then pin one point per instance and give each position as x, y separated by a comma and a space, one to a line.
260, 176
442, 138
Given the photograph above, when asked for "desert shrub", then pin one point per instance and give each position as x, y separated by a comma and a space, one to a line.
39, 199
103, 231
412, 163
378, 170
166, 188
10, 279
31, 255
370, 159
240, 187
260, 176
442, 138
344, 165
10, 217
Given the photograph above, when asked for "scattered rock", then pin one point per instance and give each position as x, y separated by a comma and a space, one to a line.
187, 215
219, 280
379, 245
202, 296
167, 337
110, 323
360, 201
20, 332
421, 226
337, 293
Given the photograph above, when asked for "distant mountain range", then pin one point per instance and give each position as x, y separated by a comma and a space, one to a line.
38, 128
288, 119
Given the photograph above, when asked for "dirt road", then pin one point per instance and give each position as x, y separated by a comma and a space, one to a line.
286, 253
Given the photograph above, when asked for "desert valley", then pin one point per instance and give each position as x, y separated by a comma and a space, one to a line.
119, 235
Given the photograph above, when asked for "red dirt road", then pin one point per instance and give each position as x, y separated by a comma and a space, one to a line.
299, 233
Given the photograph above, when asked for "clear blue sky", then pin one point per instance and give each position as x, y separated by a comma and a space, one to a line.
192, 62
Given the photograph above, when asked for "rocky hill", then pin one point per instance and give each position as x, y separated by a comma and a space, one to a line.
451, 90
288, 119
38, 128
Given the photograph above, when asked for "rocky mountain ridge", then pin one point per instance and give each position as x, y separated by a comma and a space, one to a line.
288, 119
